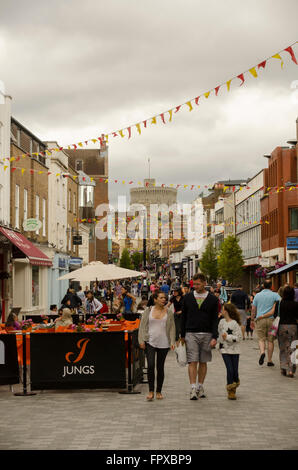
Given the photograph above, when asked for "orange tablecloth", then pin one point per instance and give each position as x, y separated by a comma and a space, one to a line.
127, 325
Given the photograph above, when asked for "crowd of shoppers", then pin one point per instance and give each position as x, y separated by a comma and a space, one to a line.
201, 317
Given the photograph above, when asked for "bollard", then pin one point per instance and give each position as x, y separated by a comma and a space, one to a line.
24, 393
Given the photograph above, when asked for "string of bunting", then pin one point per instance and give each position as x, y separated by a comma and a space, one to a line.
268, 190
167, 116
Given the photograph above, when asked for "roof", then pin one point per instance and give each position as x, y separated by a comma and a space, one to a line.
285, 269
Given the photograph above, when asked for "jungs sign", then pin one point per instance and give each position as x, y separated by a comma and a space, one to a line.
78, 360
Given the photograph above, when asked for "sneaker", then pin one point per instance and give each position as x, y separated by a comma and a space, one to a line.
193, 394
261, 360
201, 393
270, 364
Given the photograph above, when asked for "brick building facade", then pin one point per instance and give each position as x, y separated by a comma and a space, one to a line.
94, 162
279, 207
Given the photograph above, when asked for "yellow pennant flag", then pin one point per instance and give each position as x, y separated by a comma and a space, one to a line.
121, 133
253, 72
23, 170
40, 172
153, 120
106, 181
5, 167
277, 56
107, 137
80, 144
190, 105
138, 126
229, 85
94, 141
75, 176
91, 179
11, 159
171, 114
207, 94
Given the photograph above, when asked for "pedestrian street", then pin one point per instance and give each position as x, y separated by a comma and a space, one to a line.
264, 416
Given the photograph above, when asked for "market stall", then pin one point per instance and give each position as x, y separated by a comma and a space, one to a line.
80, 358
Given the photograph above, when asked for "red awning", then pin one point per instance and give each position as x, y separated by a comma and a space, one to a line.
33, 253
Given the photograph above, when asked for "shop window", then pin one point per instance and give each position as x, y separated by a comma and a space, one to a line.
35, 286
294, 219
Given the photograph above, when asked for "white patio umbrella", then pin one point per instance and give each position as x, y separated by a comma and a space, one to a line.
101, 272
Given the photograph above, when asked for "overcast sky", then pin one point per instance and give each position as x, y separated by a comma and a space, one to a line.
78, 69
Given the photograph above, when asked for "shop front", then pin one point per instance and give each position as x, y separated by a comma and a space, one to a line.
57, 289
5, 276
29, 274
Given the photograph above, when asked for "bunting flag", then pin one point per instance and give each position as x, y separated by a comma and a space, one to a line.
191, 187
153, 119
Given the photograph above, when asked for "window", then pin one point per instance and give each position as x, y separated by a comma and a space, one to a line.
58, 192
17, 207
79, 165
74, 203
35, 286
294, 218
69, 200
25, 204
43, 217
57, 244
68, 238
37, 211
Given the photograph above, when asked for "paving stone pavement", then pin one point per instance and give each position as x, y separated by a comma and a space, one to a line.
264, 416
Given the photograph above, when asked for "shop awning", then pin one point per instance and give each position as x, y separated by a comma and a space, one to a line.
285, 269
34, 254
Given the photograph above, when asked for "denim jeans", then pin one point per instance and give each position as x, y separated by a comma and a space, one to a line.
232, 363
161, 355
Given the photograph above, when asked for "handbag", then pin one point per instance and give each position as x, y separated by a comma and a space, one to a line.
274, 328
180, 352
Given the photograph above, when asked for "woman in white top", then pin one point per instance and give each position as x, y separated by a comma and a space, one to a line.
156, 336
229, 330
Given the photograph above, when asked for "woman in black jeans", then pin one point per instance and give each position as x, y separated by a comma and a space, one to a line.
287, 309
156, 336
176, 300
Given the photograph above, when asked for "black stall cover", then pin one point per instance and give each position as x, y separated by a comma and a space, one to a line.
77, 360
9, 367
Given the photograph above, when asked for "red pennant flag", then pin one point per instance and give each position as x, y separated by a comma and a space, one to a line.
216, 90
32, 172
17, 159
100, 180
86, 142
49, 173
115, 134
13, 168
145, 123
116, 181
197, 100
192, 186
177, 108
262, 64
100, 140
129, 132
75, 147
60, 148
147, 184
84, 179
241, 77
162, 118
291, 52
130, 182
162, 185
